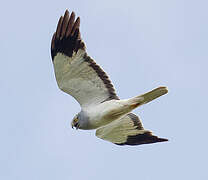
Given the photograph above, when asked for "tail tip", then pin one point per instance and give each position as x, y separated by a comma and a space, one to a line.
163, 89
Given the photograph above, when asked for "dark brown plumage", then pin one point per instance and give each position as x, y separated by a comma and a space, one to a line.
145, 138
78, 75
67, 39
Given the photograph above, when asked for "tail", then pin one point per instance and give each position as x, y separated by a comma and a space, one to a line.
147, 97
127, 105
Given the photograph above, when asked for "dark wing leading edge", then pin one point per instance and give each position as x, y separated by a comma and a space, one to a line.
127, 131
76, 73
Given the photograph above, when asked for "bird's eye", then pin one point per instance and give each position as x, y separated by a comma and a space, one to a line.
76, 120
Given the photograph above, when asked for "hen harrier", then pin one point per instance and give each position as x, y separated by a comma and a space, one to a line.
101, 109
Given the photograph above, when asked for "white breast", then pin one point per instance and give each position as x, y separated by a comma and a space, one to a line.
104, 113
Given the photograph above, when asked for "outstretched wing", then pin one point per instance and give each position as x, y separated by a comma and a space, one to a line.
76, 73
127, 131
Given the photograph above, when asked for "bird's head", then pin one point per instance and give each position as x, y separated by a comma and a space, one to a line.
75, 122
80, 121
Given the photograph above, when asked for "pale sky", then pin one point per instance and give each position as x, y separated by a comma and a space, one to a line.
141, 45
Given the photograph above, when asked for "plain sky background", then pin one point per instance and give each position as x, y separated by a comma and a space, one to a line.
141, 45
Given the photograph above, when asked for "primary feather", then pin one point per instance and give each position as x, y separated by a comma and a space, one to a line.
78, 75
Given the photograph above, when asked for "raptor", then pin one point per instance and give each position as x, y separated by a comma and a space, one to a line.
77, 74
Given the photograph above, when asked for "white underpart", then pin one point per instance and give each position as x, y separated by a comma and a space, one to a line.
119, 130
75, 77
104, 113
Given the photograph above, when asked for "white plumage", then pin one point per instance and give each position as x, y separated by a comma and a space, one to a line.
78, 75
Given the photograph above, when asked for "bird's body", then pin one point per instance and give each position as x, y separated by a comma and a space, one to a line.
101, 109
108, 111
104, 113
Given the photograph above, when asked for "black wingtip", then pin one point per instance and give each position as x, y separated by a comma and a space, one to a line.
67, 36
162, 140
66, 11
146, 138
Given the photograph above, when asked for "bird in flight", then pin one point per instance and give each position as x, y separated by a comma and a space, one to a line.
77, 74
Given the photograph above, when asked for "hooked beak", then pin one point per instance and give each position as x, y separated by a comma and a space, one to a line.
75, 124
72, 125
